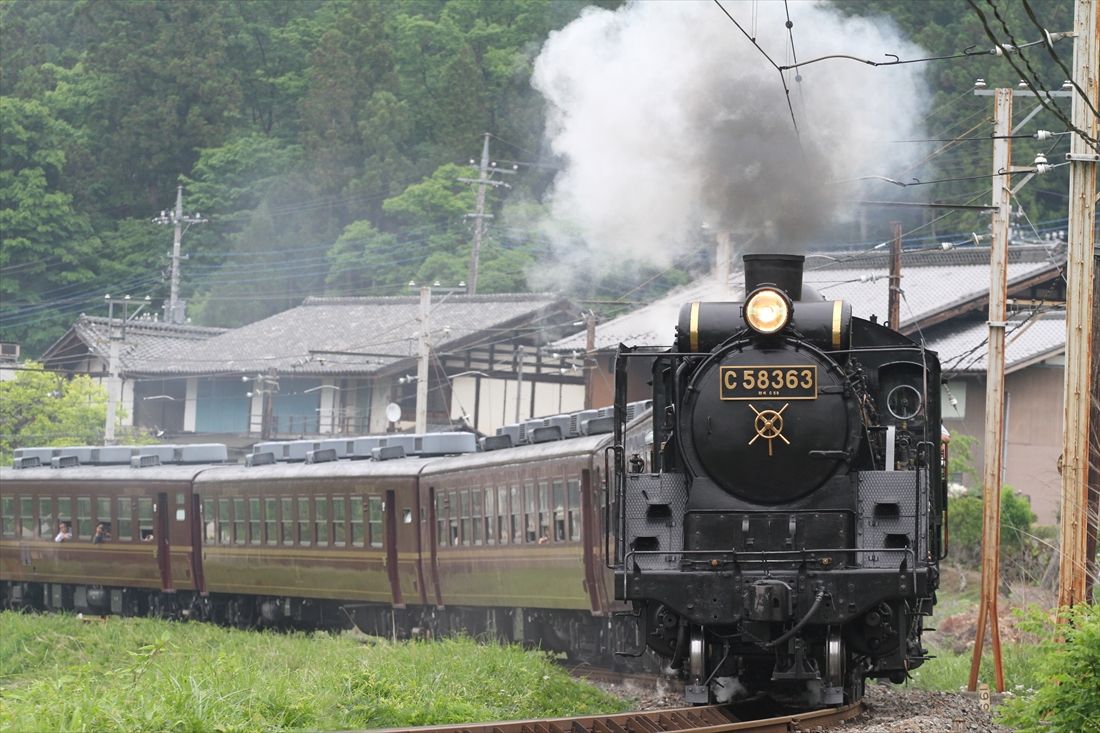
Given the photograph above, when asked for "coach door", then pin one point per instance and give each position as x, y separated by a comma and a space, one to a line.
161, 525
592, 542
433, 544
392, 568
196, 544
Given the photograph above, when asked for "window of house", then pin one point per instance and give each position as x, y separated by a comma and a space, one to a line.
125, 519
574, 487
225, 522
517, 515
303, 521
240, 519
356, 521
209, 521
558, 497
320, 504
45, 519
375, 509
7, 516
488, 527
339, 517
83, 517
271, 520
287, 507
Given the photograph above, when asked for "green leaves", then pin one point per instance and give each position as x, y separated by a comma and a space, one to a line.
43, 408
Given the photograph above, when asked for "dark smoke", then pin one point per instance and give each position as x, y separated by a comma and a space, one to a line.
665, 118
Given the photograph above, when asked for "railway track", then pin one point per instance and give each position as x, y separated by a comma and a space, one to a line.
702, 719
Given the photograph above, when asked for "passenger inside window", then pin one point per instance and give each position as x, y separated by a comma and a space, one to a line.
102, 534
64, 534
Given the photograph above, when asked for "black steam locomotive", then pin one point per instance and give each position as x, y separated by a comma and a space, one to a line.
783, 530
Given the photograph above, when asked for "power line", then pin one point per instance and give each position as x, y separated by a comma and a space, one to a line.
782, 79
1049, 45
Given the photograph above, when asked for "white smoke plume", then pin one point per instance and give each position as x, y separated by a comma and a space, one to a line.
664, 116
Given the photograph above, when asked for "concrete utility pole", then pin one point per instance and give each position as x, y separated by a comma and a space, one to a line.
485, 172
994, 392
1080, 309
174, 313
424, 351
589, 357
519, 378
894, 303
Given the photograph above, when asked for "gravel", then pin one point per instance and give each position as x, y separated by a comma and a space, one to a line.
891, 709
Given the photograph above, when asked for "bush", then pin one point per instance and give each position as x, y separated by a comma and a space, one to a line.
1069, 700
1023, 553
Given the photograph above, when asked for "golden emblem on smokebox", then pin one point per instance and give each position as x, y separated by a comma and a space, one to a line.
769, 425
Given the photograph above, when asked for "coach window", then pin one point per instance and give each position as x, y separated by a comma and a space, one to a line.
145, 517
303, 521
489, 526
45, 519
440, 519
240, 507
209, 520
65, 510
286, 519
559, 510
502, 515
464, 515
517, 516
574, 509
375, 508
125, 531
103, 510
356, 519
254, 520
271, 521
339, 517
530, 512
321, 506
7, 516
454, 514
26, 517
475, 513
84, 517
225, 523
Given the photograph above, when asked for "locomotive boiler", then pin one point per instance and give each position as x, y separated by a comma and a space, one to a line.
783, 530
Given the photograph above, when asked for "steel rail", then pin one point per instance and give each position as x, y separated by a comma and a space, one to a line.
701, 719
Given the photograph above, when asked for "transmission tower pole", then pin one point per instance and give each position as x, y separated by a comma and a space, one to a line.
1080, 308
485, 172
994, 392
174, 313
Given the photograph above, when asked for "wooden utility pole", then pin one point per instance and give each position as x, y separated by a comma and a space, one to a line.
994, 393
1080, 308
893, 313
1093, 523
424, 351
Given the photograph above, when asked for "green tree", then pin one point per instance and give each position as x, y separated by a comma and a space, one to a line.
43, 408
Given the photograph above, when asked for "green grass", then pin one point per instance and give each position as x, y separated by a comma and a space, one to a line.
58, 673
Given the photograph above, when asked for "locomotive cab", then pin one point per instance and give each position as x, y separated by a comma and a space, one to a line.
788, 534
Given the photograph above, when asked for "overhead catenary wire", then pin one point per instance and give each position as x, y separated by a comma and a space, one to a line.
1032, 84
1049, 46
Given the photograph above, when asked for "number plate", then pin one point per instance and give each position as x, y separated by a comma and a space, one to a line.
772, 382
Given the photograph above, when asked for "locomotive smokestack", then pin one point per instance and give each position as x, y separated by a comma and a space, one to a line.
783, 271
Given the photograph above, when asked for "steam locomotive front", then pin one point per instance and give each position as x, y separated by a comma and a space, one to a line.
786, 536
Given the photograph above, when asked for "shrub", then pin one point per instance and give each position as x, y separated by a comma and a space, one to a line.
1021, 551
1069, 700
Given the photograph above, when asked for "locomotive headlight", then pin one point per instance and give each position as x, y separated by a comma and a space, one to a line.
767, 311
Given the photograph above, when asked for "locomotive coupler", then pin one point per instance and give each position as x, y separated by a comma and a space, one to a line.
770, 600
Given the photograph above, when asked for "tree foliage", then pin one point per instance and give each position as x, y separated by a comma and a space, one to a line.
320, 138
42, 408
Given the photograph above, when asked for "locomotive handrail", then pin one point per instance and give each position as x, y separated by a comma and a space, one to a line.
619, 451
768, 556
